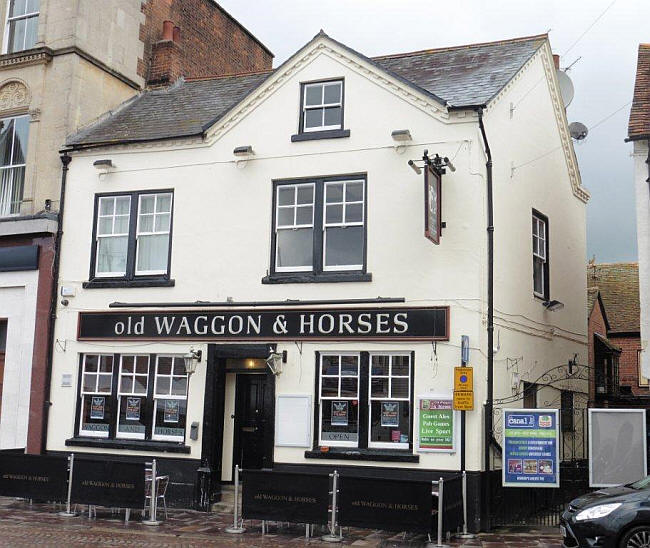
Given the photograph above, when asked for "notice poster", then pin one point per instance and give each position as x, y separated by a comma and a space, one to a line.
339, 413
133, 409
390, 414
530, 448
172, 411
436, 424
97, 407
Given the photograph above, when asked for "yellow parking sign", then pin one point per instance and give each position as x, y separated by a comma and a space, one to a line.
463, 379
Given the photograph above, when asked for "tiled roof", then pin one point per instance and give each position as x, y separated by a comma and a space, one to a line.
618, 284
592, 297
461, 76
639, 125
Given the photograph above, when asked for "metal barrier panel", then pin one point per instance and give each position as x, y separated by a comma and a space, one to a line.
33, 476
108, 483
391, 505
452, 504
285, 496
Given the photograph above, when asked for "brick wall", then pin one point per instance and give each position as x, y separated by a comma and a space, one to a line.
595, 325
211, 43
628, 365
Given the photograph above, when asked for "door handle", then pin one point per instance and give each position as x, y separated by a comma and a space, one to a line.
232, 416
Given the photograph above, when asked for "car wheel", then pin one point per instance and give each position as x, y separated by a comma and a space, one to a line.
639, 537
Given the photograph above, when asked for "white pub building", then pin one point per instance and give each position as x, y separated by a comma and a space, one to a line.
277, 269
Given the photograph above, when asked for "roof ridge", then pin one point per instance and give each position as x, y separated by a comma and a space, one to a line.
463, 46
635, 263
231, 75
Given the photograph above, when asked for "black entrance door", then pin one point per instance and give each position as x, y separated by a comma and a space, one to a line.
253, 422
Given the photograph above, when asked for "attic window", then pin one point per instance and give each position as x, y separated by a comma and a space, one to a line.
322, 106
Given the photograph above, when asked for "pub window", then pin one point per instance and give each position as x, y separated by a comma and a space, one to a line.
170, 399
322, 106
22, 25
319, 226
390, 401
96, 391
365, 400
133, 396
339, 399
540, 256
132, 236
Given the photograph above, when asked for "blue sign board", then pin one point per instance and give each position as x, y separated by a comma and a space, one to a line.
530, 448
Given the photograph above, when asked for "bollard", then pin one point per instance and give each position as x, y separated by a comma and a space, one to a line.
236, 528
68, 510
333, 537
439, 494
153, 501
465, 534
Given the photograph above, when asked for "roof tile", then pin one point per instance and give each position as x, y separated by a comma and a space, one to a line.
618, 284
639, 125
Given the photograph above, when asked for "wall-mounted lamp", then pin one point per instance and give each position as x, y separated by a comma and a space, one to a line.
243, 151
103, 165
192, 359
401, 135
275, 361
552, 306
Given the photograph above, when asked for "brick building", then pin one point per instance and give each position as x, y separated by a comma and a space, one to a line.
63, 64
614, 333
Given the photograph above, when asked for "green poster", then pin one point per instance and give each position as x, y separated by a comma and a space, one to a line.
436, 424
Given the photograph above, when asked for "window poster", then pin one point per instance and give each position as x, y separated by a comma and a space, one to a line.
390, 414
133, 409
171, 411
436, 424
530, 448
340, 413
97, 407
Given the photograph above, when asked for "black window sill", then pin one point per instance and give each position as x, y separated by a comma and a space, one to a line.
316, 135
145, 282
343, 453
326, 277
135, 445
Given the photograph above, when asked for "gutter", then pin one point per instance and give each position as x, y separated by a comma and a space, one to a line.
489, 427
65, 160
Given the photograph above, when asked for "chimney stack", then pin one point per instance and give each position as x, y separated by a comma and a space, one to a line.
556, 61
166, 57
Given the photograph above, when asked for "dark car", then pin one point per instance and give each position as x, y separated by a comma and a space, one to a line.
616, 517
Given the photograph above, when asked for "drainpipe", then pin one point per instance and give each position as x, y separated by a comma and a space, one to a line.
648, 162
65, 160
490, 310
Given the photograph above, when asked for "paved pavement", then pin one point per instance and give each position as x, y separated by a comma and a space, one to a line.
40, 525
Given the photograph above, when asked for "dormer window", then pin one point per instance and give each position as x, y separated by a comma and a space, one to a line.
322, 106
321, 111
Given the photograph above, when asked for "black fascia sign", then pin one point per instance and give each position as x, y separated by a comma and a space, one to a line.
39, 477
421, 323
108, 483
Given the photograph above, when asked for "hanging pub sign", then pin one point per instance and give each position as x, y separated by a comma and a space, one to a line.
417, 323
530, 448
432, 204
435, 424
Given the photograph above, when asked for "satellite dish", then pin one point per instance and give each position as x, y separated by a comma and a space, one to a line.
566, 87
578, 130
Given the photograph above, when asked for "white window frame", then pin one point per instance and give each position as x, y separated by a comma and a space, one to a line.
120, 394
5, 205
295, 225
153, 232
344, 223
539, 251
156, 397
99, 274
84, 393
321, 106
9, 20
390, 376
357, 355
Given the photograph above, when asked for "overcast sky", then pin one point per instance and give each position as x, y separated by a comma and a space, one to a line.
603, 78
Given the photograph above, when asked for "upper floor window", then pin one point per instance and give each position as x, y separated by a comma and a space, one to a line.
322, 106
22, 25
132, 235
14, 133
319, 226
540, 256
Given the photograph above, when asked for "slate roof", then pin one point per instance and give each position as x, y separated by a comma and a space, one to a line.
618, 284
639, 126
461, 76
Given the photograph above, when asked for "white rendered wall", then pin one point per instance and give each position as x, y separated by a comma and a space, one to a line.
18, 307
642, 190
